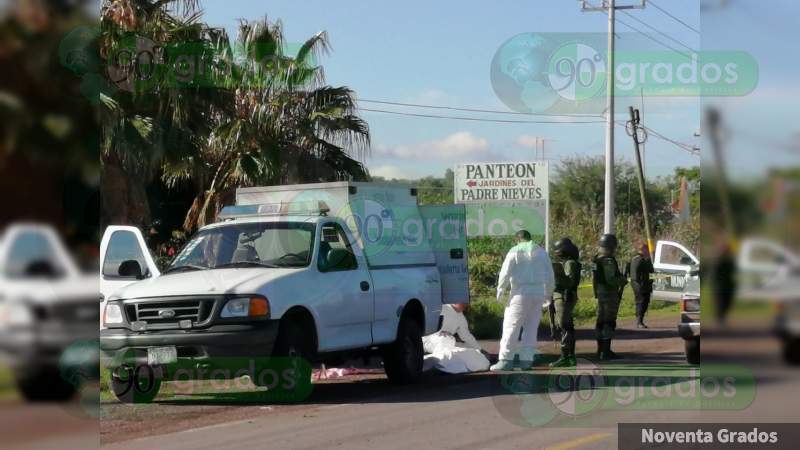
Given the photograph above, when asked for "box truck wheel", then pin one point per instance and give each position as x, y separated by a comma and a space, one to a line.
402, 359
135, 384
42, 384
692, 347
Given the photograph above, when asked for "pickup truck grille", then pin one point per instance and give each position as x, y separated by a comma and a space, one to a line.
69, 312
170, 312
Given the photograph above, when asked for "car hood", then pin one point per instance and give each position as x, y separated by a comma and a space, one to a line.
79, 289
205, 282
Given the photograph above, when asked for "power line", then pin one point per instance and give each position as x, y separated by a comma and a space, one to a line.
685, 147
659, 31
477, 119
673, 17
492, 111
657, 41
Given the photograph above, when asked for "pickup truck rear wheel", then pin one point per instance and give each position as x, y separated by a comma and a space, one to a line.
135, 384
402, 359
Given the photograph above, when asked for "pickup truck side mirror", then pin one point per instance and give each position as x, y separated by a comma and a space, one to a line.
130, 269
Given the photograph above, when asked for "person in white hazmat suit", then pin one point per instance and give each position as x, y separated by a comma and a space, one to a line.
453, 349
527, 277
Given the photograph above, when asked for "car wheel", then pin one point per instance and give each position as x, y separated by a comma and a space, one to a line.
44, 385
692, 350
135, 384
402, 359
791, 350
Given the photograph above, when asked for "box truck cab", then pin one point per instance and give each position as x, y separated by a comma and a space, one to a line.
312, 271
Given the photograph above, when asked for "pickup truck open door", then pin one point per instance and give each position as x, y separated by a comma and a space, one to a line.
768, 271
446, 228
124, 259
672, 263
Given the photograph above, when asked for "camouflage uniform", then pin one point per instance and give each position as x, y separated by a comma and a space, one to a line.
568, 277
608, 283
642, 284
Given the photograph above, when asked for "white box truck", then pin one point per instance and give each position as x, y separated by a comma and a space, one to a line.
316, 271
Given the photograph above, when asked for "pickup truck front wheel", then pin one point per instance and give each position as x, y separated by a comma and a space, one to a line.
692, 348
135, 384
402, 359
44, 384
791, 350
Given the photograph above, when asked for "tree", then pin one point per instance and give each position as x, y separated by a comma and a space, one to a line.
285, 126
48, 129
259, 116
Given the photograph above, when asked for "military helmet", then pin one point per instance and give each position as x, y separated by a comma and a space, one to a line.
565, 248
608, 241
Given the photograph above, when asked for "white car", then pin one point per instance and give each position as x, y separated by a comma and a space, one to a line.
48, 314
315, 271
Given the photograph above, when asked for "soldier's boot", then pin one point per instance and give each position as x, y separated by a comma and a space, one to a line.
599, 347
640, 317
606, 354
566, 359
571, 348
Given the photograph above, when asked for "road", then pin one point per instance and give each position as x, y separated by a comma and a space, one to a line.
467, 411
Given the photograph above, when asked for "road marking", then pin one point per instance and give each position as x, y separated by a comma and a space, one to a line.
566, 445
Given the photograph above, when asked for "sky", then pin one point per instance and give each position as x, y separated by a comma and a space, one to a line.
440, 53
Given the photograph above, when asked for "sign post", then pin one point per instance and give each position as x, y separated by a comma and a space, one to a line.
504, 197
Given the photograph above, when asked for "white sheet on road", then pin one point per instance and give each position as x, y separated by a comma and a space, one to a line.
446, 353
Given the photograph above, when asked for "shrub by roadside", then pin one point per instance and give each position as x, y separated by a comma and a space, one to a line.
485, 314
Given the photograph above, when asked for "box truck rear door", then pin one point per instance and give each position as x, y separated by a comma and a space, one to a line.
446, 229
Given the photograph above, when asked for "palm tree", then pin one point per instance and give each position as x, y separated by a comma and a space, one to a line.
267, 118
144, 124
284, 125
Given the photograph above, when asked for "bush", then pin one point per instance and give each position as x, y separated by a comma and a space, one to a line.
485, 314
485, 318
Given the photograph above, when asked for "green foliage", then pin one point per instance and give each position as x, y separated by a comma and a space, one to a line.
485, 314
576, 207
257, 124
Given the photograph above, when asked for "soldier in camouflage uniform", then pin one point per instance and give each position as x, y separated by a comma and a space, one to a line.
641, 268
567, 269
608, 283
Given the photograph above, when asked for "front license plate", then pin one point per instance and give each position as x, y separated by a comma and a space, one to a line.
161, 355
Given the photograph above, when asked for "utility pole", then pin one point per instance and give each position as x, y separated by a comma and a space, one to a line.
714, 122
609, 7
634, 130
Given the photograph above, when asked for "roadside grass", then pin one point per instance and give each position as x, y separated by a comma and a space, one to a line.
105, 377
485, 314
742, 309
7, 388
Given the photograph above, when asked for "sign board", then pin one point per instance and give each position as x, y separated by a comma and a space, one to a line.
504, 197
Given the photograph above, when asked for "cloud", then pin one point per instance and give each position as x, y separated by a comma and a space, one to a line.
433, 96
528, 141
391, 172
456, 147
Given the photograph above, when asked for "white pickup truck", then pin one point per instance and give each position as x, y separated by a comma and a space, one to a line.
677, 278
48, 312
316, 271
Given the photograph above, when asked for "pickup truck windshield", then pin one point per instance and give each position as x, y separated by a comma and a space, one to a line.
274, 244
